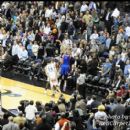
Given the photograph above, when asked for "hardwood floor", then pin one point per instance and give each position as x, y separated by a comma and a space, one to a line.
14, 91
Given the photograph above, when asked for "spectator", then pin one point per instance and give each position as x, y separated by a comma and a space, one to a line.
10, 125
20, 119
30, 111
84, 7
61, 122
5, 120
35, 48
101, 117
44, 125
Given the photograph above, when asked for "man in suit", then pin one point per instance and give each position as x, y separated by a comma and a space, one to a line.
118, 111
108, 20
119, 82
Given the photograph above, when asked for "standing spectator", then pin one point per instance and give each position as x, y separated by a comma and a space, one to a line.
100, 117
81, 83
108, 20
30, 111
118, 111
5, 120
44, 125
11, 125
61, 122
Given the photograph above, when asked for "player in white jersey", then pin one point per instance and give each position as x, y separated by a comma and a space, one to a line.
52, 76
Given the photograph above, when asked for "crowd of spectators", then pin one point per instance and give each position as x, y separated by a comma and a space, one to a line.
95, 35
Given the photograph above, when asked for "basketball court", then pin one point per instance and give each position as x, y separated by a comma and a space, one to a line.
14, 91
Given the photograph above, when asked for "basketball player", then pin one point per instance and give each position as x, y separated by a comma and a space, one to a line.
65, 69
52, 77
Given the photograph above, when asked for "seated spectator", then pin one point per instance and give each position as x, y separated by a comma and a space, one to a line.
126, 70
23, 55
30, 111
84, 7
35, 48
106, 67
94, 36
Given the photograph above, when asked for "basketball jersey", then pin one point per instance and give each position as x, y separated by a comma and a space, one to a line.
51, 70
66, 60
65, 67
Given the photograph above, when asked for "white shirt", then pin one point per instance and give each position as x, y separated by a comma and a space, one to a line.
127, 31
30, 111
78, 52
35, 48
81, 79
1, 36
57, 126
24, 40
111, 53
73, 53
118, 83
80, 111
92, 5
89, 102
119, 37
15, 49
123, 56
83, 8
19, 52
129, 73
47, 30
58, 24
67, 42
51, 70
101, 117
107, 16
4, 40
94, 36
115, 13
48, 13
23, 55
31, 37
